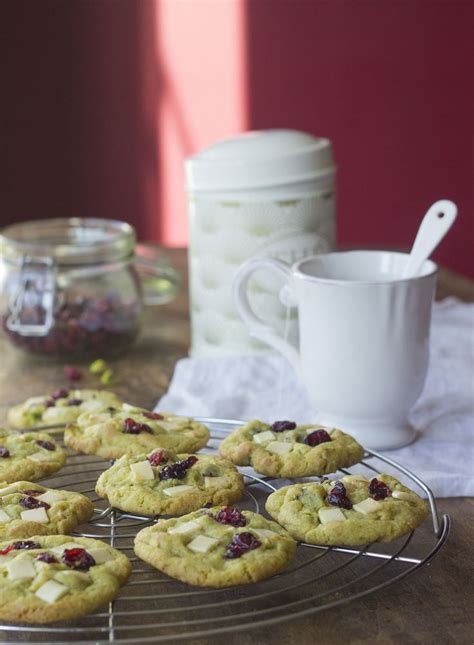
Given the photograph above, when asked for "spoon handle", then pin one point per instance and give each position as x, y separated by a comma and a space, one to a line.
436, 223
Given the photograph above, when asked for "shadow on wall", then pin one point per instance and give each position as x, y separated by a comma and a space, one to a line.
81, 97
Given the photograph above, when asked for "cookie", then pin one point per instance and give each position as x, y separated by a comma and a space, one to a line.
30, 509
348, 511
61, 407
55, 577
28, 456
134, 431
169, 484
216, 547
285, 449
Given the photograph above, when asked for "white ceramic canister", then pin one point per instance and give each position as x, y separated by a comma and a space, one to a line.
265, 193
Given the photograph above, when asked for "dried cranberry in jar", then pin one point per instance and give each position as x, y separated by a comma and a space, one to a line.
77, 293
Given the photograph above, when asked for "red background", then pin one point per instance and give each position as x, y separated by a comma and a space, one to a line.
390, 82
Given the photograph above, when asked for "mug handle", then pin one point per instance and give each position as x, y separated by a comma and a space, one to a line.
257, 327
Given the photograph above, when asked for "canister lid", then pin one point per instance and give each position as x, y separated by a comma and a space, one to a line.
259, 159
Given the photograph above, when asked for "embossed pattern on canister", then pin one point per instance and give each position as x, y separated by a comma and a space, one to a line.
268, 193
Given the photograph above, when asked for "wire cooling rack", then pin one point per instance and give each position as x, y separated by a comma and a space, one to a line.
154, 608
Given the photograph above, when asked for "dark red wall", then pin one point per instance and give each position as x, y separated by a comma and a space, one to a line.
78, 108
391, 83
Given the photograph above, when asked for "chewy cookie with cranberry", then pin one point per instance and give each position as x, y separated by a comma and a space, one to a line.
61, 407
285, 449
28, 456
216, 547
134, 431
170, 484
350, 510
28, 509
46, 579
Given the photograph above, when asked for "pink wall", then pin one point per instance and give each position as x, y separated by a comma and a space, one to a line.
102, 99
202, 59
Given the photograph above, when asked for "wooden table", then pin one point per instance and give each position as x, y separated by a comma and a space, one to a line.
433, 606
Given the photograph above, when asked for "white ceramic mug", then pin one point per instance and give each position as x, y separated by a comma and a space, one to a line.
363, 337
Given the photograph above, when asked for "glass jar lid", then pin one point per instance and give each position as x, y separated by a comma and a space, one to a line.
68, 241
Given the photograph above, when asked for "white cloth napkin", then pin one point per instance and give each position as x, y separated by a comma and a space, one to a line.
266, 387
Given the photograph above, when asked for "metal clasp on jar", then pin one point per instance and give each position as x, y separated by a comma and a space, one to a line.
31, 300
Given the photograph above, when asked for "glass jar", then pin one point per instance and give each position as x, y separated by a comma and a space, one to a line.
74, 287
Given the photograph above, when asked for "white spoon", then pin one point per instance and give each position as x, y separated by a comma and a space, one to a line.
434, 226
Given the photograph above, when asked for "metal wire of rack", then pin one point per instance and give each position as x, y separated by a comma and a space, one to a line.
154, 608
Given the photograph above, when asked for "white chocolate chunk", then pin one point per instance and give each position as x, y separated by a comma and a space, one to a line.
41, 456
142, 471
4, 517
127, 407
99, 418
36, 400
202, 544
8, 490
264, 533
369, 505
12, 512
21, 568
169, 426
279, 447
177, 490
92, 405
101, 555
35, 515
184, 528
50, 497
51, 591
220, 482
58, 413
73, 579
264, 437
407, 497
327, 515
